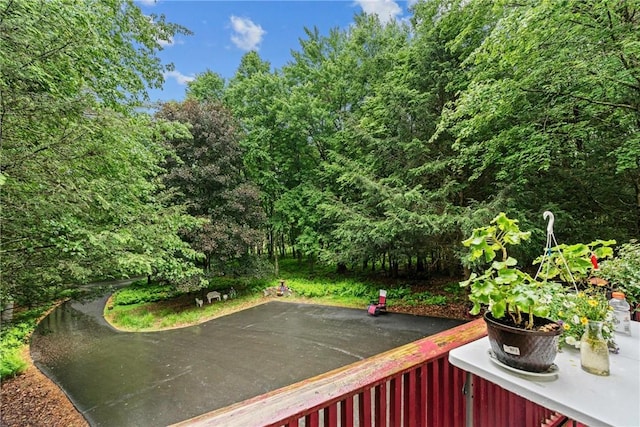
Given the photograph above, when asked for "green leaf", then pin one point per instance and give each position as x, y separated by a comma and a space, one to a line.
498, 309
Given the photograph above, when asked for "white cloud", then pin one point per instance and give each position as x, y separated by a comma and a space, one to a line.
182, 79
386, 10
247, 35
170, 42
147, 2
165, 43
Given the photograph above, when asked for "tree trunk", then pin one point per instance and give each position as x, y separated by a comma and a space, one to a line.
637, 185
394, 266
420, 264
270, 243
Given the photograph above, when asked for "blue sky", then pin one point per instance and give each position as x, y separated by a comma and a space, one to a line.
223, 31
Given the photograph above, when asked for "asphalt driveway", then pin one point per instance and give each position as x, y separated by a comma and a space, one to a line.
158, 378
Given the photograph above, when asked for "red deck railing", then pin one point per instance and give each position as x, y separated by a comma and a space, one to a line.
412, 385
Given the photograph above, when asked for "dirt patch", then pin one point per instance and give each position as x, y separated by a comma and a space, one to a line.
32, 399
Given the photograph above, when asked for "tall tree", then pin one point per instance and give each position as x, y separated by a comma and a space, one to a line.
551, 117
209, 173
80, 197
276, 157
206, 87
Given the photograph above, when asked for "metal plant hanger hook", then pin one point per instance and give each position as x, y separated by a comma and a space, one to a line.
551, 242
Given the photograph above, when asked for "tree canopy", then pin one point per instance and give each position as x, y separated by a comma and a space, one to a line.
80, 196
376, 146
208, 172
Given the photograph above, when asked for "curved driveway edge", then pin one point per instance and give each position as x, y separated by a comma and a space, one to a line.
158, 378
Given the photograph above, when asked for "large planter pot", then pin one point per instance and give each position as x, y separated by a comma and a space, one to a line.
532, 351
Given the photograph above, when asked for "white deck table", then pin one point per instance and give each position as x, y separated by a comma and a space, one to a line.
590, 399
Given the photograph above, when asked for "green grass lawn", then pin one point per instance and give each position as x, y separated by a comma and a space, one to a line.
142, 307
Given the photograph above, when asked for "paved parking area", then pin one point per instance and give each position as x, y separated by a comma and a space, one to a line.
158, 378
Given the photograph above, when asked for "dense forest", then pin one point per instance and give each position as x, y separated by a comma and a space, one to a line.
376, 148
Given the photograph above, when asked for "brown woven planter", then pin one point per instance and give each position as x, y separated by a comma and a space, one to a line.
531, 351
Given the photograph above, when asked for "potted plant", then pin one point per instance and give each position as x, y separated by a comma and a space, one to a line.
515, 303
584, 297
575, 264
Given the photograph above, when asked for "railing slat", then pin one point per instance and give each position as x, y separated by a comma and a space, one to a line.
312, 420
435, 401
395, 400
346, 412
380, 408
364, 409
331, 416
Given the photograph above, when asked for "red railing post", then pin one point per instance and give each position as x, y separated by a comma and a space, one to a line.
395, 401
380, 409
346, 412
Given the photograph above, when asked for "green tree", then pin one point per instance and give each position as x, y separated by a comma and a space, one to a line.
550, 119
208, 172
206, 87
277, 158
81, 199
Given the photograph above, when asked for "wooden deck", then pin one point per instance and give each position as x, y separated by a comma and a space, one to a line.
412, 385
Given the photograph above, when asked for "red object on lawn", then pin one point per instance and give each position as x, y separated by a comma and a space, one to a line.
380, 306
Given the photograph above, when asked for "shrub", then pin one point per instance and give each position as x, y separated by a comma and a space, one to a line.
623, 271
425, 298
137, 293
11, 362
399, 293
13, 337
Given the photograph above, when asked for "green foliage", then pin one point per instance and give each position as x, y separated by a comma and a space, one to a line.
454, 289
363, 291
322, 288
503, 288
546, 115
576, 309
243, 285
206, 87
376, 145
423, 298
141, 293
14, 337
11, 362
399, 293
152, 316
133, 320
81, 197
572, 263
623, 270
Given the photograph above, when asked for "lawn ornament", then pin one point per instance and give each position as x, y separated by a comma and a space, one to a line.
213, 295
